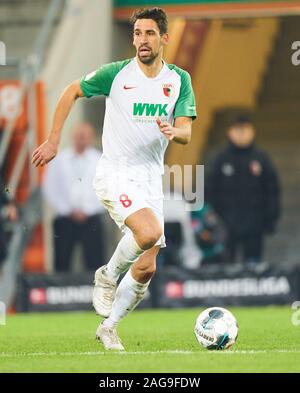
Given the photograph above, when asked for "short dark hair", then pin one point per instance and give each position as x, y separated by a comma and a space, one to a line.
156, 13
241, 119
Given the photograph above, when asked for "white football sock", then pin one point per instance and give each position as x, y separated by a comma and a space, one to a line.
128, 296
126, 253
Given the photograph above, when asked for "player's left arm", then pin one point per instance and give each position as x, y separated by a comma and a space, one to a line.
179, 132
184, 113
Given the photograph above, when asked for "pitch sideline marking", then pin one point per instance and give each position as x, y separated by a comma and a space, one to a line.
167, 352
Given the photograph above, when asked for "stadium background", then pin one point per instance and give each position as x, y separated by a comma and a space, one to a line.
239, 55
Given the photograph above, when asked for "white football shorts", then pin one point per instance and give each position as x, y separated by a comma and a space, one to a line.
122, 197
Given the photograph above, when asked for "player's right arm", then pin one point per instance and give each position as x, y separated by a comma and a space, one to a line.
48, 150
95, 83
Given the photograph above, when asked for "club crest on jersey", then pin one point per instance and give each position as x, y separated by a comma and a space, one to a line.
168, 89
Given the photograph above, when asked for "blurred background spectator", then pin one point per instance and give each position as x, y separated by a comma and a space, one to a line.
68, 189
8, 212
210, 234
243, 188
181, 250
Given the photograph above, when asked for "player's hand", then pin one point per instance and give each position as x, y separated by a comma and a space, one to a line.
44, 153
166, 128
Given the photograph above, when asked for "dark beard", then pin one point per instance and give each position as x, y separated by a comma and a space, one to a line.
149, 60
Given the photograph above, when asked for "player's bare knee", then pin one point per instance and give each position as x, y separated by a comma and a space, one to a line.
148, 238
148, 242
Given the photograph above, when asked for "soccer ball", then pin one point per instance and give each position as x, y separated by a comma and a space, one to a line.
216, 328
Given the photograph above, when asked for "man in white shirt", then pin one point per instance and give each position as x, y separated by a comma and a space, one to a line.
67, 187
148, 104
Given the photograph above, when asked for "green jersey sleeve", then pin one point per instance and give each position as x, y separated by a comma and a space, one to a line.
185, 105
99, 82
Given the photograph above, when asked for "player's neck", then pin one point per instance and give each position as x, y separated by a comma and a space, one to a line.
151, 70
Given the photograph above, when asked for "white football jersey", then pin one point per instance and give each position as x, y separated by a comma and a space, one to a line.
132, 142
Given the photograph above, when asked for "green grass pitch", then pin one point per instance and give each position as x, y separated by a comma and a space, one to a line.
155, 340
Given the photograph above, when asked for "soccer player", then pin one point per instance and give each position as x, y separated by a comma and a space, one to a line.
148, 104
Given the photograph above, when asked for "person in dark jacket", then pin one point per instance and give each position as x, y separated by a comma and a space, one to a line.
243, 188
